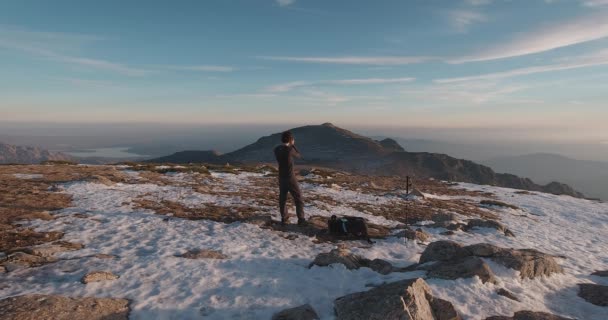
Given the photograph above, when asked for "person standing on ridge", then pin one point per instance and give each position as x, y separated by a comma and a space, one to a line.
288, 183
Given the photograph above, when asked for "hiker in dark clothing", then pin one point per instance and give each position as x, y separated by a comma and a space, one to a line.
284, 154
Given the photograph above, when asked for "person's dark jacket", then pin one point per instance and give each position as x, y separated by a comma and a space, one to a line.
285, 155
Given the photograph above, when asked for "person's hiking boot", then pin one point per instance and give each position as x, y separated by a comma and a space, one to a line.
302, 222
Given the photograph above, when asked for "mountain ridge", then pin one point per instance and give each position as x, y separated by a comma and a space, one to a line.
591, 177
13, 154
330, 146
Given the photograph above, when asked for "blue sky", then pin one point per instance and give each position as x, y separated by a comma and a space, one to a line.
460, 63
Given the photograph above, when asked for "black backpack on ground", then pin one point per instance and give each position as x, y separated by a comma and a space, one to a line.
345, 226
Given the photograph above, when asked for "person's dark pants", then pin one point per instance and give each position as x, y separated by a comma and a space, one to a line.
292, 188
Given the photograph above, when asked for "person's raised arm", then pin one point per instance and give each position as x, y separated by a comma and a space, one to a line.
295, 152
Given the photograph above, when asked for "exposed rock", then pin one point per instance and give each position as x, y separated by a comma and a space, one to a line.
506, 293
448, 233
600, 273
2, 269
418, 234
101, 179
20, 260
480, 223
351, 261
52, 249
405, 299
529, 315
594, 293
69, 245
442, 309
98, 276
483, 249
529, 262
461, 268
443, 217
455, 226
379, 265
104, 256
443, 250
37, 306
497, 203
204, 254
304, 312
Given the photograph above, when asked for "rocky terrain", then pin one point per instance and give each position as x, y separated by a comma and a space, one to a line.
329, 146
28, 155
147, 241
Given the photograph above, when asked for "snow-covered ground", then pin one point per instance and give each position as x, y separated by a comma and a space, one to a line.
266, 273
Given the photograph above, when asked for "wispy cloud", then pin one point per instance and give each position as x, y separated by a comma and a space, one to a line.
595, 3
206, 68
462, 20
285, 3
598, 58
478, 2
355, 60
476, 93
580, 30
285, 87
52, 46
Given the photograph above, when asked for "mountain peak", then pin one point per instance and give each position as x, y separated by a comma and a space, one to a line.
328, 124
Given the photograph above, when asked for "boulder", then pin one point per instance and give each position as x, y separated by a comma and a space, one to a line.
203, 254
98, 276
351, 261
467, 267
2, 269
594, 293
506, 293
379, 265
480, 223
529, 262
341, 256
417, 235
529, 315
37, 306
405, 299
304, 312
443, 250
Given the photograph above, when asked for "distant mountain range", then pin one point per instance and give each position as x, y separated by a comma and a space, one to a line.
330, 146
28, 155
590, 177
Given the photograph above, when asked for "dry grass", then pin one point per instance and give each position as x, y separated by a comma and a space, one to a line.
204, 212
28, 199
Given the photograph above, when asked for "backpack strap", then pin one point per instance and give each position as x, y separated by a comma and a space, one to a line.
343, 224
